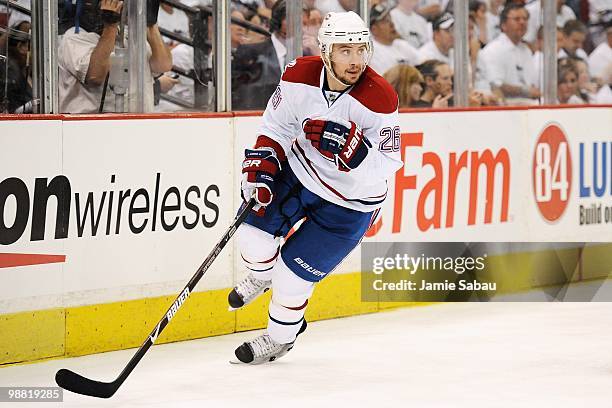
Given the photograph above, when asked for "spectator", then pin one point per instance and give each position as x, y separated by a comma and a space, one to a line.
389, 48
481, 93
564, 14
411, 26
587, 89
84, 56
567, 80
493, 27
252, 13
538, 54
15, 66
311, 23
238, 34
508, 61
438, 85
407, 82
574, 34
601, 58
257, 67
264, 8
478, 11
604, 95
441, 46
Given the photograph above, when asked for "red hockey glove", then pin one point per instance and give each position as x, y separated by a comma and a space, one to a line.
339, 140
259, 168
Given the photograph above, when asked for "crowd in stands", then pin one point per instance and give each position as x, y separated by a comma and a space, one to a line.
412, 41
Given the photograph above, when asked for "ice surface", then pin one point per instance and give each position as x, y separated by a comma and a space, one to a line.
446, 355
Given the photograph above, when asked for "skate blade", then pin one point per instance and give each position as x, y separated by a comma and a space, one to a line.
237, 362
231, 309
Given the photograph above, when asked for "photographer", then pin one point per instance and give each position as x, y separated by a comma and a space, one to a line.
16, 65
85, 50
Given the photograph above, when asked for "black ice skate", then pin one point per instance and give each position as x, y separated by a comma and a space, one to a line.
263, 349
247, 290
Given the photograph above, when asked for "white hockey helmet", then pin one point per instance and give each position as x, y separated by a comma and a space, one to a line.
343, 28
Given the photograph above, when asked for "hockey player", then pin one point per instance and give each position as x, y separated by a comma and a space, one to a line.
328, 143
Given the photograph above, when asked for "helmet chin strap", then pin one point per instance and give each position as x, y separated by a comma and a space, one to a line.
330, 71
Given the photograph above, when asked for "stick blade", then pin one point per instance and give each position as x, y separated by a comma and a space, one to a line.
76, 383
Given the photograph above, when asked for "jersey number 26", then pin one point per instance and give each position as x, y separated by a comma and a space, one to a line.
391, 139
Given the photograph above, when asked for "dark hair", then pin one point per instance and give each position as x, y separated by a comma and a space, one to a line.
279, 12
429, 68
503, 17
571, 26
474, 5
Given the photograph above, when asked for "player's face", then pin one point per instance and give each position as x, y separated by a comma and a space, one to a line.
348, 61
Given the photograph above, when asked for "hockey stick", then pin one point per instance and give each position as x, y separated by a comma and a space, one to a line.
71, 381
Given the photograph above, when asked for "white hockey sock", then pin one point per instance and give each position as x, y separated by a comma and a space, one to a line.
261, 270
284, 323
259, 250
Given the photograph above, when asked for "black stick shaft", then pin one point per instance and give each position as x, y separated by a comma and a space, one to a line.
82, 385
185, 293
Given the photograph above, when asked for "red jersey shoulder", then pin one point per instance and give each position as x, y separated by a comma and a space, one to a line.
305, 70
375, 93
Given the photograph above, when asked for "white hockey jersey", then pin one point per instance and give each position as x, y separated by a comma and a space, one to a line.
372, 104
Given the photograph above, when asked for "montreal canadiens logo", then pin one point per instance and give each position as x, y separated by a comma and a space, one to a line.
552, 172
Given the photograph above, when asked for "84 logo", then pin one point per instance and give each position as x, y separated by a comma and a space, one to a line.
552, 172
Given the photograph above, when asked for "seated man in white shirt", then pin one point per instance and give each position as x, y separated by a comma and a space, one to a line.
441, 46
388, 49
411, 26
509, 61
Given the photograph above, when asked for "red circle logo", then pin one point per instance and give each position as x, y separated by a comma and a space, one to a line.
552, 172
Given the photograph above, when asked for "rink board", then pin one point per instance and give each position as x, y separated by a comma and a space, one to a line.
107, 288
